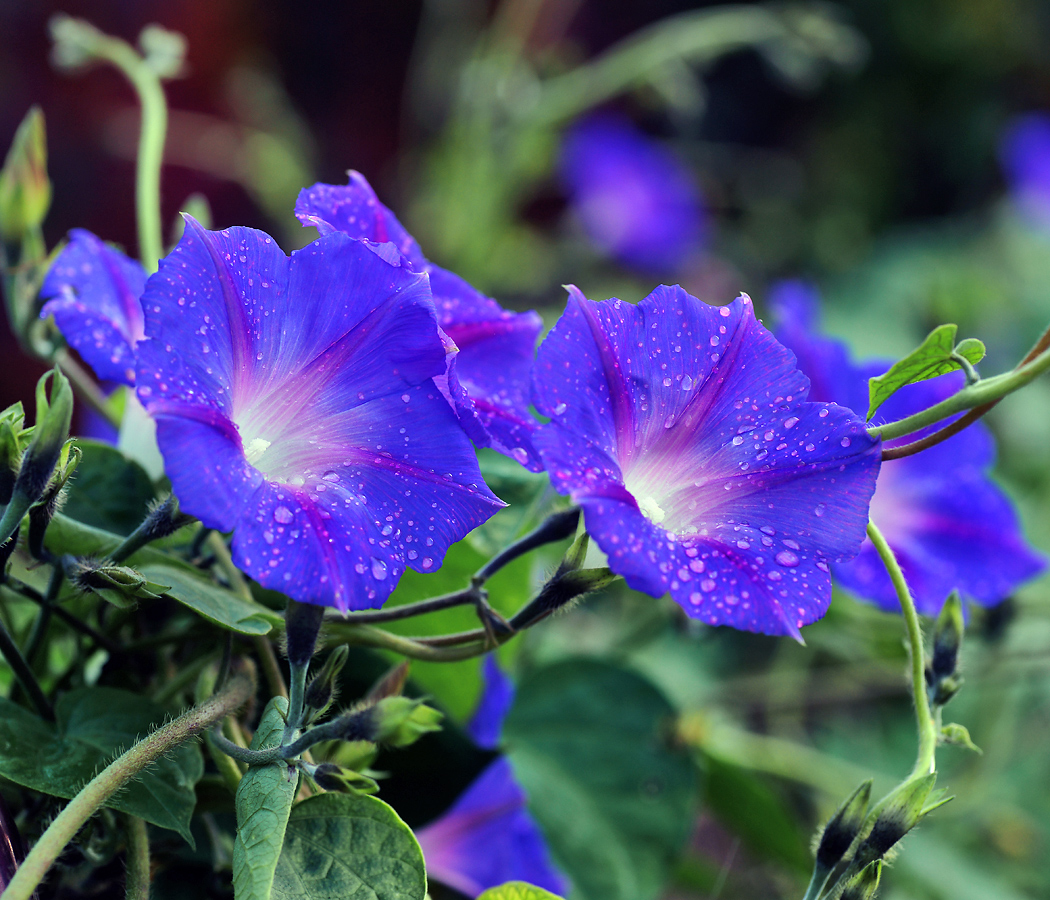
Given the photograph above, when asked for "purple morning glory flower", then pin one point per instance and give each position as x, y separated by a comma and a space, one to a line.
946, 521
487, 837
1024, 152
295, 405
684, 433
488, 378
634, 198
93, 292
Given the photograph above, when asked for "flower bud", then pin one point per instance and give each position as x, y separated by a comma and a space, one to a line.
25, 190
942, 675
164, 51
400, 721
12, 422
54, 412
119, 585
568, 583
863, 885
331, 777
321, 690
843, 828
902, 811
40, 516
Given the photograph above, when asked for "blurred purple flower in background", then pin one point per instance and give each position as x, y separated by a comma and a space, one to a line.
948, 524
488, 379
93, 292
295, 404
683, 431
635, 199
488, 837
1024, 152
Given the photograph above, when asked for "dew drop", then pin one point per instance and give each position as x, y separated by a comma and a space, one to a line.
786, 558
283, 515
560, 408
791, 422
845, 442
819, 511
378, 569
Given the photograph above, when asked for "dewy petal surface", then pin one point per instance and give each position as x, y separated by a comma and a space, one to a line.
948, 524
488, 838
488, 377
93, 293
683, 431
295, 405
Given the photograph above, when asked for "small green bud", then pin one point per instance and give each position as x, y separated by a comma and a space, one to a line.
864, 884
25, 190
76, 41
119, 585
901, 812
400, 721
843, 827
12, 428
164, 51
54, 413
331, 777
959, 735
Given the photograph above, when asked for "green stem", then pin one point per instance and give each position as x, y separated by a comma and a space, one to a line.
988, 390
86, 387
151, 142
926, 761
116, 775
24, 674
136, 885
367, 636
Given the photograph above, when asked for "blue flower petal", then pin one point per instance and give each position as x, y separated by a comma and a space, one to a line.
487, 379
488, 838
683, 431
948, 524
295, 406
497, 696
93, 292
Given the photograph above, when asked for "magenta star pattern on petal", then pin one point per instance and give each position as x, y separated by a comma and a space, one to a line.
684, 433
950, 527
93, 293
488, 378
295, 405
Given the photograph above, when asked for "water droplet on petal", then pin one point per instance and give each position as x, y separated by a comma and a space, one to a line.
283, 515
786, 558
378, 569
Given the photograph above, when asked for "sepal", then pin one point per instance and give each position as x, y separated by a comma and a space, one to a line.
864, 884
119, 585
25, 189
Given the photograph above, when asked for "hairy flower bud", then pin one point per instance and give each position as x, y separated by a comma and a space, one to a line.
12, 426
25, 190
331, 777
863, 885
843, 828
321, 690
302, 625
54, 412
400, 721
903, 810
40, 516
942, 675
119, 585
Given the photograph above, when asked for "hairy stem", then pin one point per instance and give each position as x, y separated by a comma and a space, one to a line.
926, 761
136, 884
118, 773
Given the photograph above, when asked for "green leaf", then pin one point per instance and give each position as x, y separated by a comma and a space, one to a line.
264, 801
214, 603
94, 725
590, 744
934, 356
188, 585
92, 497
517, 890
349, 847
